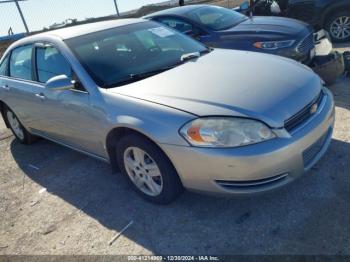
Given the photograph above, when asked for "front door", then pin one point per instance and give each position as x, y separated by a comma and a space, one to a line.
70, 117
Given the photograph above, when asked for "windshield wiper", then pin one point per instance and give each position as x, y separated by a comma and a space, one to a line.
189, 56
139, 76
206, 51
194, 55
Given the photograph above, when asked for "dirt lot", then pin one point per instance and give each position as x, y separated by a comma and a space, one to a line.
56, 201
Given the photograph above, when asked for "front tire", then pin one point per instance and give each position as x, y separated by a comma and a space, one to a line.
22, 135
148, 169
338, 26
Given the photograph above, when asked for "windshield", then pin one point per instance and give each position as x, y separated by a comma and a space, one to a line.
129, 53
216, 18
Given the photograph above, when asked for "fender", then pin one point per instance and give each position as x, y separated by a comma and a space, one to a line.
340, 5
2, 110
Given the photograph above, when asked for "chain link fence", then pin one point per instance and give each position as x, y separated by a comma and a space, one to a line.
47, 14
43, 15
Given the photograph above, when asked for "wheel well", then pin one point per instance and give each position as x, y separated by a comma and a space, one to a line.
333, 11
2, 109
112, 139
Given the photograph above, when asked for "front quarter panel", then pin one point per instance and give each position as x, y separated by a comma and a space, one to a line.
158, 122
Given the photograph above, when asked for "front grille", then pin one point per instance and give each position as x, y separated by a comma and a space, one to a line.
310, 153
303, 115
252, 184
306, 45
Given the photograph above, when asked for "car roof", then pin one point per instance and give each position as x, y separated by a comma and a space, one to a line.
79, 30
180, 11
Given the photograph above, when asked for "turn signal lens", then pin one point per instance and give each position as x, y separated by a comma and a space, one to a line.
194, 133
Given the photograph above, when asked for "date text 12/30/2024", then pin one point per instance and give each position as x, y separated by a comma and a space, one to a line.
173, 258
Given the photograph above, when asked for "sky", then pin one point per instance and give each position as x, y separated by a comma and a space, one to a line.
43, 13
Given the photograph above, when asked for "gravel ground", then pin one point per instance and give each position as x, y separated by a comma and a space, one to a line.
56, 201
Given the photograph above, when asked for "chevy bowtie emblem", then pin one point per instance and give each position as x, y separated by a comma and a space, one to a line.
313, 108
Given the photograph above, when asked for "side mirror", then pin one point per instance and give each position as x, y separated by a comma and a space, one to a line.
61, 82
244, 6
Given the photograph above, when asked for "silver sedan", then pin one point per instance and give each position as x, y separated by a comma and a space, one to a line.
166, 111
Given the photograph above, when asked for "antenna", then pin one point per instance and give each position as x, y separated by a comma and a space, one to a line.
251, 8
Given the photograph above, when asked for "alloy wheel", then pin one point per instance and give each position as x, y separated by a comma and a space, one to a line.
15, 125
340, 28
143, 171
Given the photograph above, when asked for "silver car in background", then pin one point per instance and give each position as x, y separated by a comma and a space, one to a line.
165, 110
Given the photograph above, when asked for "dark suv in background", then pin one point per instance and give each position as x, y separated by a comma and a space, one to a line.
331, 15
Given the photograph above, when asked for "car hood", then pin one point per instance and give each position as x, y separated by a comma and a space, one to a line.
232, 83
260, 25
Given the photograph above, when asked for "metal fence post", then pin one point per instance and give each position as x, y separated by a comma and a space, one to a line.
19, 10
116, 7
22, 17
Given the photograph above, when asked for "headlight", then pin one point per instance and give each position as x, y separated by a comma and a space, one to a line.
225, 132
273, 45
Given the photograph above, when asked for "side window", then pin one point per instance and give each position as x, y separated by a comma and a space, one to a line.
21, 62
4, 66
177, 24
51, 63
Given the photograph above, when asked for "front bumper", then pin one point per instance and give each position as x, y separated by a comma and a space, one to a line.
323, 44
260, 167
322, 47
327, 64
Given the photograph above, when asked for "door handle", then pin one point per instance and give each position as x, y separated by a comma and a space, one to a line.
5, 87
41, 96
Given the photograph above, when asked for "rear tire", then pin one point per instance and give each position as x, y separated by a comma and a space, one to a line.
22, 135
148, 169
338, 26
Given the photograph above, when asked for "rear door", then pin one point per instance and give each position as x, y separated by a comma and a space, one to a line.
20, 88
3, 76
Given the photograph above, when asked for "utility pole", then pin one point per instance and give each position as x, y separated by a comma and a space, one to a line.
116, 7
19, 10
251, 8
